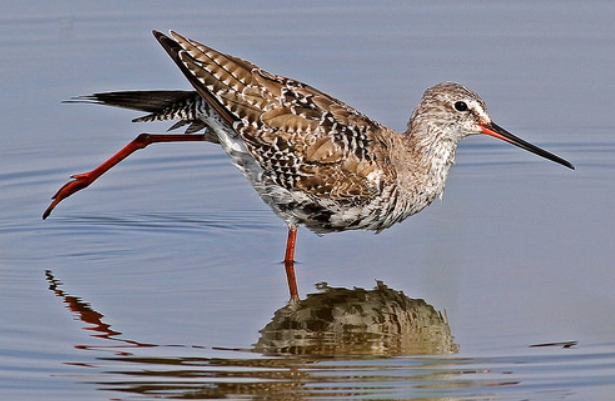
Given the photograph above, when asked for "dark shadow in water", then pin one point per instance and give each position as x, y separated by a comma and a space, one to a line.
336, 324
357, 322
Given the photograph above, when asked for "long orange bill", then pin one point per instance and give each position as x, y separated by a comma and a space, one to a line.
496, 131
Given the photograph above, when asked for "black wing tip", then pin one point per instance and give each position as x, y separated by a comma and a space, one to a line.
169, 44
158, 34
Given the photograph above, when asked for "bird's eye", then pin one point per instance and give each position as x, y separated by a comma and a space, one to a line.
461, 106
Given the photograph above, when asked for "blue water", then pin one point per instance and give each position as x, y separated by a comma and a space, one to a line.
174, 261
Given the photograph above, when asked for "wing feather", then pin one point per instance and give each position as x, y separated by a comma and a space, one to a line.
303, 138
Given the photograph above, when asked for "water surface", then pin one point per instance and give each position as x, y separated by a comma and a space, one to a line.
157, 281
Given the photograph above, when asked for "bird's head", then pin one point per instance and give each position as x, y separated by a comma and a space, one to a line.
448, 112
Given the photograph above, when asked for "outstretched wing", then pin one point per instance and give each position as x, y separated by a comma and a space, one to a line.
303, 138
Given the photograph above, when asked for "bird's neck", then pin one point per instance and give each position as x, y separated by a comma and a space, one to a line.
432, 156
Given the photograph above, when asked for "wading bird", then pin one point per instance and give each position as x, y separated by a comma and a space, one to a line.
313, 159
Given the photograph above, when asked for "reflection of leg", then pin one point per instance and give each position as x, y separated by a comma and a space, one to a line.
85, 312
81, 181
289, 263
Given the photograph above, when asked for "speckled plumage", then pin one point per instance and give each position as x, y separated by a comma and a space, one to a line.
313, 159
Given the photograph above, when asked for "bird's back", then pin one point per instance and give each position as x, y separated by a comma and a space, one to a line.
316, 160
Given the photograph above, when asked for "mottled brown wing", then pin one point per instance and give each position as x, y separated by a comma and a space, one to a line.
303, 138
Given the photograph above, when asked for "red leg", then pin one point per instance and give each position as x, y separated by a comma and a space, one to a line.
81, 181
289, 263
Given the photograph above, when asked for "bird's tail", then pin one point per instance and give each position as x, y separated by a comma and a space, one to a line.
162, 105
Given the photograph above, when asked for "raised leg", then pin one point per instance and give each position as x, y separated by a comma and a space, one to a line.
289, 263
81, 181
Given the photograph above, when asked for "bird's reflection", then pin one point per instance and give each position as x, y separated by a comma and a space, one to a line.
287, 360
343, 322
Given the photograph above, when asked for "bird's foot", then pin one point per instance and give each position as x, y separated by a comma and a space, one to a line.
78, 182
